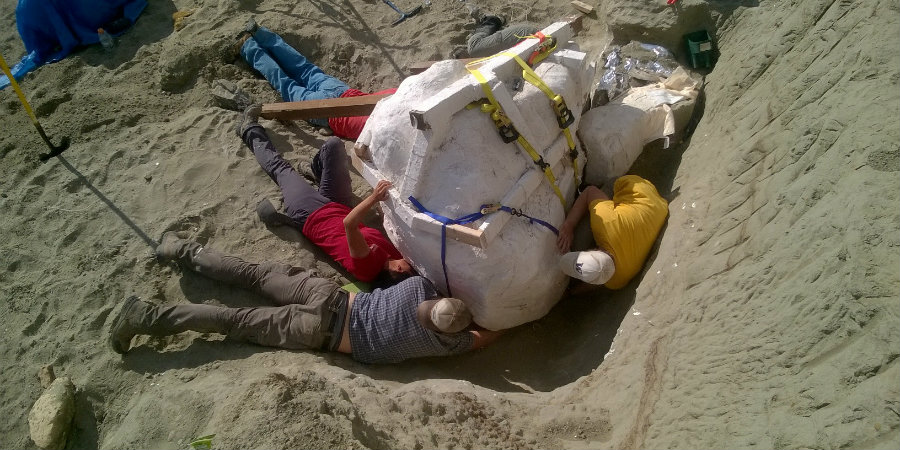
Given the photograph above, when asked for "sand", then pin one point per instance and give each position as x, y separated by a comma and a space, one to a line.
767, 317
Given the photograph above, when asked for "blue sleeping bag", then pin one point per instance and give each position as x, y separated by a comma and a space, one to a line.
51, 29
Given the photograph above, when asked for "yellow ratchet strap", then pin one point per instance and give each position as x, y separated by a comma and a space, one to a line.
509, 133
564, 117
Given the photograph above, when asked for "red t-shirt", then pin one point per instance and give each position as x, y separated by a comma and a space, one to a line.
325, 228
351, 127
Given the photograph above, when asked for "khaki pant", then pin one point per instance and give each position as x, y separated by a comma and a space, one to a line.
484, 43
309, 306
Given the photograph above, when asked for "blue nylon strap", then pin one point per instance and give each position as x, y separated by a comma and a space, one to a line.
469, 218
530, 219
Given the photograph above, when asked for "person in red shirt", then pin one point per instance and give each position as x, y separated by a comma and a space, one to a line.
324, 216
297, 79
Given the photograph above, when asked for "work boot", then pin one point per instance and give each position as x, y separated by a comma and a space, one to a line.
459, 52
248, 118
138, 317
234, 50
250, 27
475, 13
270, 216
489, 25
130, 322
172, 248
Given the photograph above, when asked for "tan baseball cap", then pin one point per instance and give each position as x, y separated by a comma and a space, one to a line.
450, 315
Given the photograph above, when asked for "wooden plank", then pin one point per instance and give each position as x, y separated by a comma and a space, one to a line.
465, 235
582, 6
460, 233
421, 66
574, 21
332, 107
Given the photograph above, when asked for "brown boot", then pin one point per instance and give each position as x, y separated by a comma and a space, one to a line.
129, 323
249, 118
172, 248
138, 317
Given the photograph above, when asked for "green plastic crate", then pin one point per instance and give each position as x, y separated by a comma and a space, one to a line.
700, 49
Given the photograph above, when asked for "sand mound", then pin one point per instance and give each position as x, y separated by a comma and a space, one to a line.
767, 317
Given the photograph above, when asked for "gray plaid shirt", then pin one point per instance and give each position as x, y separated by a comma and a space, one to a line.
384, 329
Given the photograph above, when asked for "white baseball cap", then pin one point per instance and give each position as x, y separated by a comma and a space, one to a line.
594, 267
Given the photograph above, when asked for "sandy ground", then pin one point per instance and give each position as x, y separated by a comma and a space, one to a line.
766, 318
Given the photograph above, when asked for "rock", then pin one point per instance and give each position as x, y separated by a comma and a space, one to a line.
227, 95
51, 416
46, 375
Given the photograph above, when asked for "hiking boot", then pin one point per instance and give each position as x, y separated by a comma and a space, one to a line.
270, 216
234, 50
495, 22
250, 27
171, 247
489, 25
475, 14
248, 118
459, 52
128, 324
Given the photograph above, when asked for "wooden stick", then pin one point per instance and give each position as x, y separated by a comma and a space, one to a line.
332, 107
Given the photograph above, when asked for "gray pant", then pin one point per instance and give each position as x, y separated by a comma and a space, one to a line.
483, 44
301, 199
310, 313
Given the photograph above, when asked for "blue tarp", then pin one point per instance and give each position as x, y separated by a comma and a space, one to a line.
51, 29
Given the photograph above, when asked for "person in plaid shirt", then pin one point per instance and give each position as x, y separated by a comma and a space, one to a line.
407, 320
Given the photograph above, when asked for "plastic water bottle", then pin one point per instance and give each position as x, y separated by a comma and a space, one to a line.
105, 39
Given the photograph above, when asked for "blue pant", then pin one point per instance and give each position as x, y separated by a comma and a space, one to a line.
288, 71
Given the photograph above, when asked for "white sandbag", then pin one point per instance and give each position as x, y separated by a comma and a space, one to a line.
614, 134
451, 158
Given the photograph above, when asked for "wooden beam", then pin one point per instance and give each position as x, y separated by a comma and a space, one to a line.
332, 107
582, 6
421, 66
574, 21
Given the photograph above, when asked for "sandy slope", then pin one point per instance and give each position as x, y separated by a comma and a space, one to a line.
768, 316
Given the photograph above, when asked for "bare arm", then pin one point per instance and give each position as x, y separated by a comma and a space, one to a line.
567, 230
359, 248
484, 337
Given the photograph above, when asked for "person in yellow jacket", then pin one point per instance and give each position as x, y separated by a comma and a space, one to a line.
624, 227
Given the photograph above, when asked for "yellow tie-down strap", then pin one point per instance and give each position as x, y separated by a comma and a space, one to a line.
564, 117
509, 133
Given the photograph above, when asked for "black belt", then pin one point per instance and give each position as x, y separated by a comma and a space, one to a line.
335, 330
